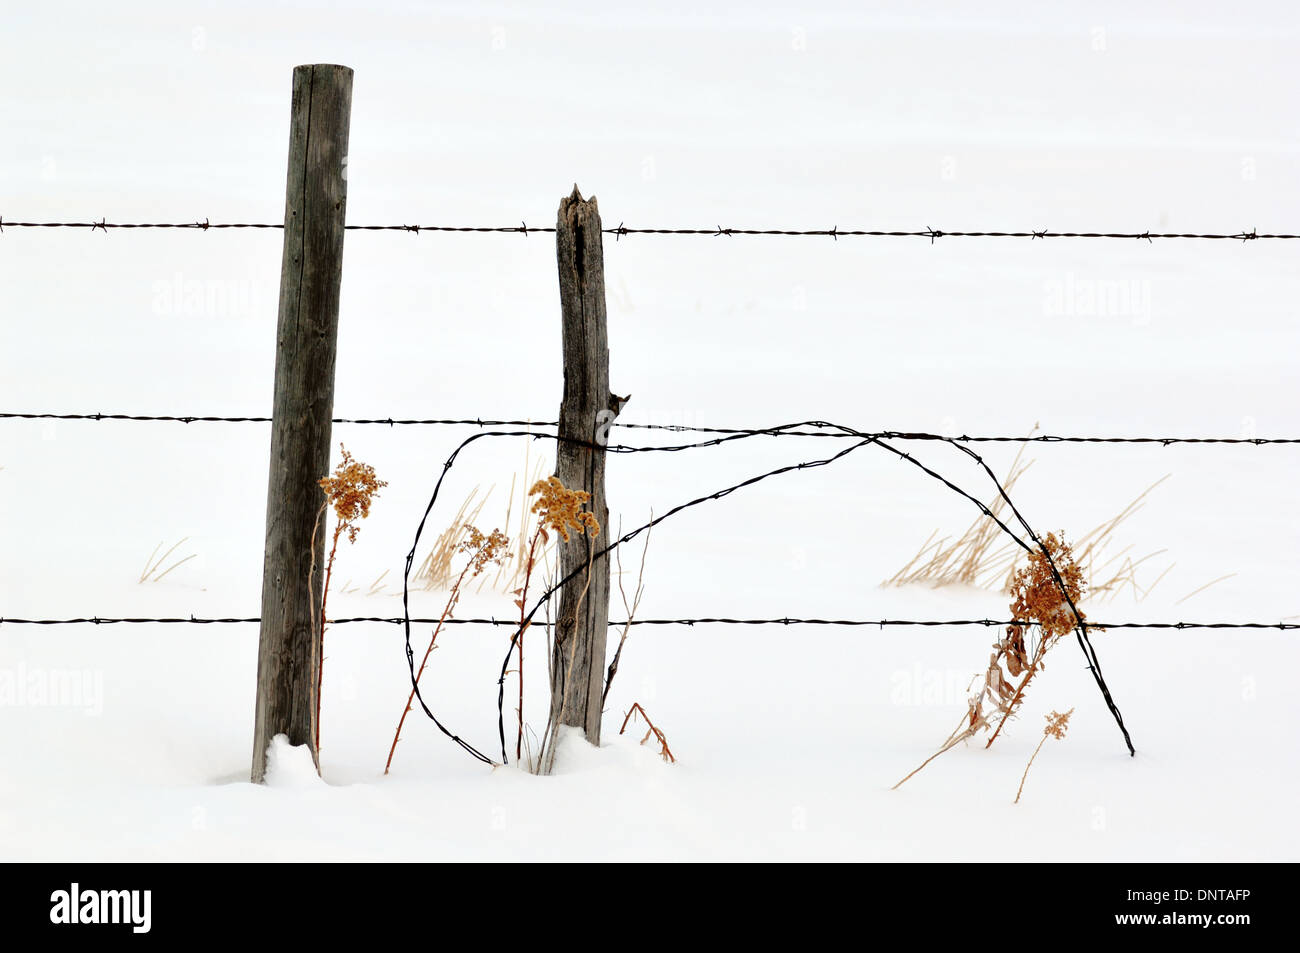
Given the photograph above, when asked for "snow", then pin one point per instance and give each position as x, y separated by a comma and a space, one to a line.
289, 765
134, 742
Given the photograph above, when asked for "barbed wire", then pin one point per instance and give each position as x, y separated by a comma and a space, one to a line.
717, 231
672, 428
862, 440
807, 427
208, 419
688, 621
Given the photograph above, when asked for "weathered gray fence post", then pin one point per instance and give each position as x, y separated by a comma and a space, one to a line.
586, 413
288, 656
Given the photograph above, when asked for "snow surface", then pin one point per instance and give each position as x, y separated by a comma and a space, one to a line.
290, 766
134, 742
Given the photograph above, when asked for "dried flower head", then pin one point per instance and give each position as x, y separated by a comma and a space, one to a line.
484, 549
561, 508
350, 491
1057, 724
1037, 599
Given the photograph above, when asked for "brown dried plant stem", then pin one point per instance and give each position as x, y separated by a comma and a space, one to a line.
1057, 724
325, 591
1045, 642
410, 699
1020, 691
318, 636
522, 598
664, 751
1043, 599
350, 491
1021, 790
947, 745
482, 550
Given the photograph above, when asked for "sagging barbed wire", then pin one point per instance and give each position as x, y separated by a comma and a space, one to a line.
862, 440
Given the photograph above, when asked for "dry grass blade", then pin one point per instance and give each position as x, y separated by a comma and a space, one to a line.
153, 571
482, 550
1091, 545
508, 575
1195, 592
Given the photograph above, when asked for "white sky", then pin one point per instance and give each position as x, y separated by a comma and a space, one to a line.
1085, 113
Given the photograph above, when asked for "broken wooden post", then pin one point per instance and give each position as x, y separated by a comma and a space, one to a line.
288, 656
587, 411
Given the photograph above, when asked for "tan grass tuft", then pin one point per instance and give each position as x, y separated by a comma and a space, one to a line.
435, 570
973, 559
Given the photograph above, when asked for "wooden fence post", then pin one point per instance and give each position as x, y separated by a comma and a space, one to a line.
306, 340
586, 413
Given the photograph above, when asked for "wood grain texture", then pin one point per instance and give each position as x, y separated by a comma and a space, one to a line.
587, 410
306, 345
